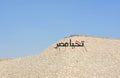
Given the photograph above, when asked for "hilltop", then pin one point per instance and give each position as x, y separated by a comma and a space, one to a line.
98, 58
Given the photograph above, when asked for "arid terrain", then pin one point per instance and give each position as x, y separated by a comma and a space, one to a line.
98, 58
5, 59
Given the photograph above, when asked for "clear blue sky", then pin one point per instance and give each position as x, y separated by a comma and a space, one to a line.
29, 26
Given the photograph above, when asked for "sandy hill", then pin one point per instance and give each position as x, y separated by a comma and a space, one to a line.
5, 59
99, 58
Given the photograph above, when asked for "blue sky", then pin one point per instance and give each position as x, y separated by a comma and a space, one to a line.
29, 26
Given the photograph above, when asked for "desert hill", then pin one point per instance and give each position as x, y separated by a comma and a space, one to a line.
98, 58
5, 59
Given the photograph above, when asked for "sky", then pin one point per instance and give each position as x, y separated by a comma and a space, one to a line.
27, 27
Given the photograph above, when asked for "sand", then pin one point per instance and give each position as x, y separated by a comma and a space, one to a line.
5, 59
99, 58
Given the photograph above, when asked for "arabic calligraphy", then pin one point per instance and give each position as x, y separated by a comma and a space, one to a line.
66, 44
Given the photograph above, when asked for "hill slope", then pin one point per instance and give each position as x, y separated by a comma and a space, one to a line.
99, 58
